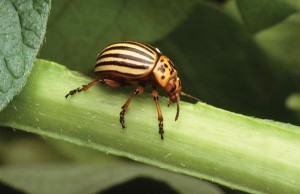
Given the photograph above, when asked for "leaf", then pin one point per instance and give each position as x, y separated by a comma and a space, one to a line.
259, 15
282, 44
50, 165
241, 152
22, 29
86, 28
60, 178
26, 151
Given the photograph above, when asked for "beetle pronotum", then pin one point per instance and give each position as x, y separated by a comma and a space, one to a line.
131, 63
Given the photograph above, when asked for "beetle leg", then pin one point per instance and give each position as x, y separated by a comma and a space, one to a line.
160, 117
84, 87
108, 82
138, 90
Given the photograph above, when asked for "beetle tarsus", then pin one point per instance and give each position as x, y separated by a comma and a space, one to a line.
122, 120
161, 129
72, 92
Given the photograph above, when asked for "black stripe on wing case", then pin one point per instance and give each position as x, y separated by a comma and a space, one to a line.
123, 56
135, 50
122, 64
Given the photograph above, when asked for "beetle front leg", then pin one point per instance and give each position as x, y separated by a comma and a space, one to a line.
138, 90
160, 117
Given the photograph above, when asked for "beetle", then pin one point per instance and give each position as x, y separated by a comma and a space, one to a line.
132, 63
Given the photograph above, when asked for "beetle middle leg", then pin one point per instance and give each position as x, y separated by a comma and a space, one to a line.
160, 117
138, 90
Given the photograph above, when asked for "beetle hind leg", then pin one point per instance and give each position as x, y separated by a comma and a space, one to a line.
84, 87
138, 90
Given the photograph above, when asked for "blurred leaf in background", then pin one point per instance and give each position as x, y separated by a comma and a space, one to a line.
36, 165
258, 15
281, 42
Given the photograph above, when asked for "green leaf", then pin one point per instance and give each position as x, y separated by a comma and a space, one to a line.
86, 28
259, 15
26, 151
282, 44
93, 178
22, 29
49, 165
242, 152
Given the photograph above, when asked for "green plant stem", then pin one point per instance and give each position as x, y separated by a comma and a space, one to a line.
245, 153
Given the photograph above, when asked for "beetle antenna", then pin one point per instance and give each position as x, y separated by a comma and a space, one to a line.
177, 112
189, 96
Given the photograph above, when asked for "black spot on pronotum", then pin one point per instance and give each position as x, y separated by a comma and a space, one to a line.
170, 62
162, 77
172, 71
165, 65
161, 69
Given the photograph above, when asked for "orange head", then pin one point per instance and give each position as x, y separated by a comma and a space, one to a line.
173, 88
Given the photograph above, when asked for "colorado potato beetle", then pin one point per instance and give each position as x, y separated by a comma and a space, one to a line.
131, 63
